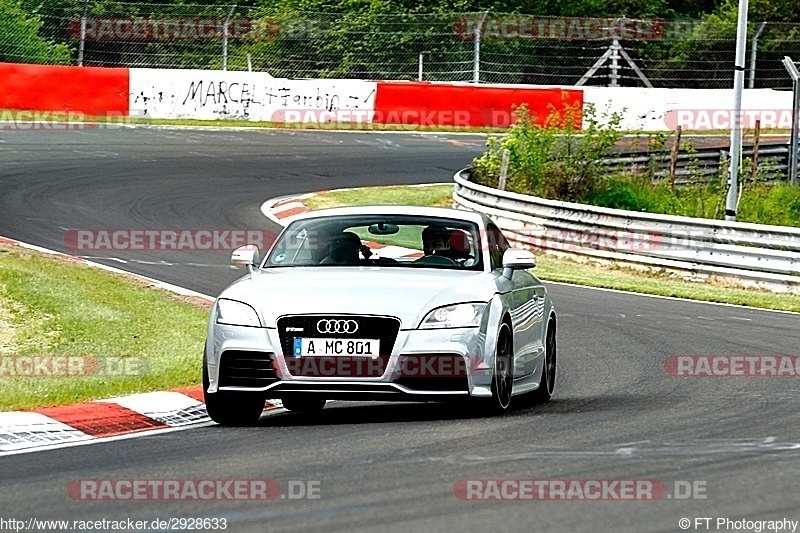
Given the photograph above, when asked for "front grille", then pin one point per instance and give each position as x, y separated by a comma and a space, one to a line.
432, 372
385, 329
246, 369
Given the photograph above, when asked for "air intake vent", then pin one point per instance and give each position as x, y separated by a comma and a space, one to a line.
239, 368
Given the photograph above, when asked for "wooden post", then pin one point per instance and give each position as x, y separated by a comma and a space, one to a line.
504, 170
757, 136
673, 159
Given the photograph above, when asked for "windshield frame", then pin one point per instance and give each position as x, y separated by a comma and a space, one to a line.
325, 228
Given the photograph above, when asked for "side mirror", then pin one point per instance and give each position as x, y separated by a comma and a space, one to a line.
517, 259
246, 256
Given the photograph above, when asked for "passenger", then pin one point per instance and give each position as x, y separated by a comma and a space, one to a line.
458, 245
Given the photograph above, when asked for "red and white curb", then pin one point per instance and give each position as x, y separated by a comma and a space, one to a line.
49, 427
53, 427
281, 210
106, 418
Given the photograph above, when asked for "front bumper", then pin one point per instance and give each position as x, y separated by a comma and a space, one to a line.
423, 365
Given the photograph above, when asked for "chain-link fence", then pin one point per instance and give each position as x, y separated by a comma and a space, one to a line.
484, 47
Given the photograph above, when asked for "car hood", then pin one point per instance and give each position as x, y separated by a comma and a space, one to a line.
408, 294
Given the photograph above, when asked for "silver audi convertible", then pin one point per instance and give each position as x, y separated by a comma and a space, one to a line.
380, 303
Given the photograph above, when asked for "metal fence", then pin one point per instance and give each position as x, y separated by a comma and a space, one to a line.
706, 164
767, 256
484, 47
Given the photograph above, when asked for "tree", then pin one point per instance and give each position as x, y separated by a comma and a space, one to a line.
20, 41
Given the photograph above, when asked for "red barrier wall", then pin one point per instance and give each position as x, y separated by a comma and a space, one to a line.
466, 105
88, 90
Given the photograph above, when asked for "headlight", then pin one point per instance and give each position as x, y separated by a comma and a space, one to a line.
236, 314
454, 316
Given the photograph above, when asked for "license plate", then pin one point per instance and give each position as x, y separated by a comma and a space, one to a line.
305, 346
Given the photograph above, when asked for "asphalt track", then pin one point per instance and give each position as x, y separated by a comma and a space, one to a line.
617, 414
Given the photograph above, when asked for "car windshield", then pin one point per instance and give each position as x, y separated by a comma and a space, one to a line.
378, 240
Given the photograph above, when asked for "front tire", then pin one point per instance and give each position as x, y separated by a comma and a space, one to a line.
232, 408
502, 377
547, 382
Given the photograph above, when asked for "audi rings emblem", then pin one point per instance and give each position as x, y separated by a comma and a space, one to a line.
337, 326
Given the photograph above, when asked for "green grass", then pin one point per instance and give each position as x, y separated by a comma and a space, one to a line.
556, 268
52, 307
777, 204
639, 193
440, 195
660, 283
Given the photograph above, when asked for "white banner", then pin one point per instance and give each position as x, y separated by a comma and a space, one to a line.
692, 109
255, 96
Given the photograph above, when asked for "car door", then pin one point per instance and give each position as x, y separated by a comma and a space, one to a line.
526, 307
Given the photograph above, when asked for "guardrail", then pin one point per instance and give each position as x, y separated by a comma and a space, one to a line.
704, 164
756, 254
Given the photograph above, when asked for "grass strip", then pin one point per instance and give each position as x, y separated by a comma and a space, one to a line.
71, 333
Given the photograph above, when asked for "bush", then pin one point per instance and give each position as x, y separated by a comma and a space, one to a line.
777, 204
554, 158
639, 193
624, 192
